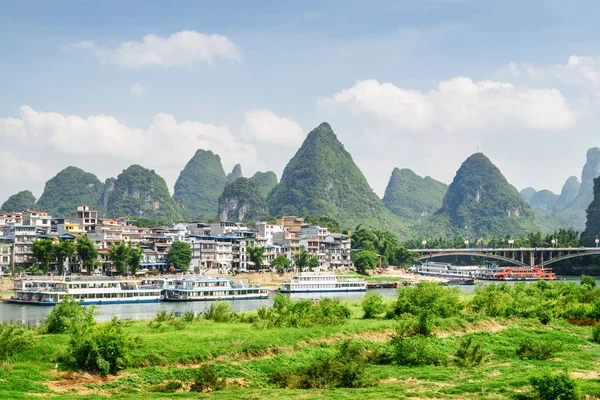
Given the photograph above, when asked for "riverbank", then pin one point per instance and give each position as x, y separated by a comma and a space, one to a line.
247, 359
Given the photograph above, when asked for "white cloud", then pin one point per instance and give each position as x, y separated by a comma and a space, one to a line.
137, 89
184, 48
43, 143
263, 126
457, 104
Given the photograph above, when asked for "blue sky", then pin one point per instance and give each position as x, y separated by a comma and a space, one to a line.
404, 84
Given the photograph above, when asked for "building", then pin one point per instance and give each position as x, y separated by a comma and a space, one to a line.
22, 237
198, 228
266, 230
313, 232
336, 251
39, 219
292, 224
6, 248
226, 253
227, 228
85, 217
7, 219
68, 228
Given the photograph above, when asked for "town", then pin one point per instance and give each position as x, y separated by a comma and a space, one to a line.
221, 246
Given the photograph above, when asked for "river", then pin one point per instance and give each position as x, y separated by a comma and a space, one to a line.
29, 314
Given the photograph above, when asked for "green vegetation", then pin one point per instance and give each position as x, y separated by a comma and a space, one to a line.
63, 250
180, 255
322, 179
555, 386
281, 263
235, 174
126, 258
200, 184
24, 200
14, 339
67, 313
325, 222
43, 253
257, 256
411, 197
481, 203
266, 182
70, 188
304, 260
383, 243
142, 192
373, 305
544, 201
87, 252
242, 200
364, 260
527, 193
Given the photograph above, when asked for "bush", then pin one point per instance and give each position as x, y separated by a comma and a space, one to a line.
220, 311
596, 333
415, 349
189, 316
469, 353
588, 280
344, 368
373, 305
530, 349
545, 315
167, 387
14, 339
555, 387
103, 349
68, 312
430, 296
208, 380
302, 313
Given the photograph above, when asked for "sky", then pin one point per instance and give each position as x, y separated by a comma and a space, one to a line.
408, 84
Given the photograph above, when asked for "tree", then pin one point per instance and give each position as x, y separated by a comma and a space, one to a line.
364, 260
256, 255
304, 259
281, 263
180, 255
135, 258
63, 250
405, 258
87, 252
588, 280
119, 255
42, 252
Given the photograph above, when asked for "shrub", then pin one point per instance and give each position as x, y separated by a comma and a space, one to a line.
163, 316
189, 316
545, 315
588, 280
596, 333
415, 349
208, 380
469, 353
530, 349
14, 339
430, 296
555, 386
104, 349
220, 311
373, 305
68, 312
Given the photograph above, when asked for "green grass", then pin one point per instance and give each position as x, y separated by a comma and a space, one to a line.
246, 356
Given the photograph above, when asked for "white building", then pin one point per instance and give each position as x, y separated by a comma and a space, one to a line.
227, 253
22, 237
39, 219
85, 217
336, 250
267, 231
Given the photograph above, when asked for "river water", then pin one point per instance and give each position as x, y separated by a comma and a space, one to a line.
29, 314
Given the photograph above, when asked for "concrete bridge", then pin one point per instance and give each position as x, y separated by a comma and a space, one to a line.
524, 257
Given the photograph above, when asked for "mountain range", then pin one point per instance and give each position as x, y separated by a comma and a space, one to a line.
322, 180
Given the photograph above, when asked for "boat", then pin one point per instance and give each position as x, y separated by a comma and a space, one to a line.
315, 282
87, 290
445, 270
207, 289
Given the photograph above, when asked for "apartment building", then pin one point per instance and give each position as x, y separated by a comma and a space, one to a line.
266, 230
85, 217
22, 237
6, 248
337, 251
39, 219
226, 253
292, 224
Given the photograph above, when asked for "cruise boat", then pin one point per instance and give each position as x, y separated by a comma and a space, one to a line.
87, 290
446, 270
314, 282
207, 289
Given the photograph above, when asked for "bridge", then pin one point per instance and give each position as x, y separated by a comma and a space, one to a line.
524, 257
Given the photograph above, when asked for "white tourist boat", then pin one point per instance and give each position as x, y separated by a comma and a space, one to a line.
446, 270
208, 288
87, 290
316, 282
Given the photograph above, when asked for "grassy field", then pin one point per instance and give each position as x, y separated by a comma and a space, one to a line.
247, 357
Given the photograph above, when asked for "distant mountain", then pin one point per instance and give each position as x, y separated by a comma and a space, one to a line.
544, 201
200, 184
19, 202
70, 188
242, 200
322, 179
568, 193
235, 174
528, 193
266, 182
592, 227
574, 214
481, 203
412, 197
143, 193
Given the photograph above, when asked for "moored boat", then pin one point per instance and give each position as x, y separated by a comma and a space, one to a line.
445, 270
208, 289
315, 282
